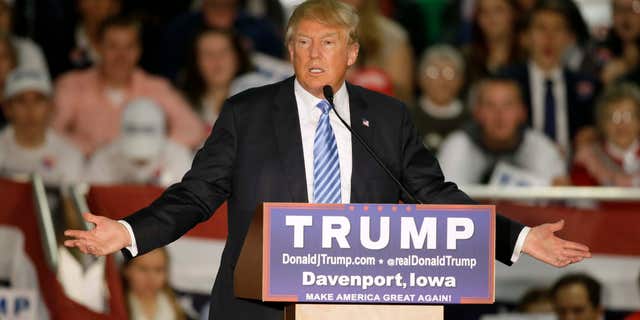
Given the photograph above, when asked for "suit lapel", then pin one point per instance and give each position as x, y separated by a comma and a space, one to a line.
289, 141
364, 126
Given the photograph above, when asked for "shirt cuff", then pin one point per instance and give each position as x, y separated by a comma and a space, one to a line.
133, 248
519, 244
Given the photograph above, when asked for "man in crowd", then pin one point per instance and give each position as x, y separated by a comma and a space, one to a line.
559, 101
504, 150
90, 102
577, 297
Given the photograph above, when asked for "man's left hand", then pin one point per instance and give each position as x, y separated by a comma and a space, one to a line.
542, 244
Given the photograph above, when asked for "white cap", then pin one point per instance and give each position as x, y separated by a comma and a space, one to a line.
143, 134
22, 79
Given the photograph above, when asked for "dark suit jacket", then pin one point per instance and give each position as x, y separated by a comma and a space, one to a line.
581, 92
254, 154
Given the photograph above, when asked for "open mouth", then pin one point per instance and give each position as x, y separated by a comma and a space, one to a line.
316, 71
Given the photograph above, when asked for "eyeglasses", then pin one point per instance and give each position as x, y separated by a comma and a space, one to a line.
622, 117
446, 73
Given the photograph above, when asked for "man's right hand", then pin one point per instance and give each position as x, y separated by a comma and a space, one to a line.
108, 236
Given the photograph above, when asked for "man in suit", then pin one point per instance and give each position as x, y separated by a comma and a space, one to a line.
559, 101
279, 143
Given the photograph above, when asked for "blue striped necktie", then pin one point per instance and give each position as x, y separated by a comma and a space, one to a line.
326, 164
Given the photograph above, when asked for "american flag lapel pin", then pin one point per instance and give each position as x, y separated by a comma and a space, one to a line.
365, 122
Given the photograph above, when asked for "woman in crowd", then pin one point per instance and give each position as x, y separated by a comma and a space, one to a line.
439, 108
147, 290
495, 38
217, 58
614, 159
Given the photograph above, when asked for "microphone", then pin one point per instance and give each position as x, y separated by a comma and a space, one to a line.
328, 95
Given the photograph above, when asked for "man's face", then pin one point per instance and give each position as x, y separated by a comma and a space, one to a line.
321, 55
572, 303
626, 19
29, 110
549, 36
119, 51
499, 111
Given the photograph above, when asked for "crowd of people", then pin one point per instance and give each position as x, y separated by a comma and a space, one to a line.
527, 88
115, 92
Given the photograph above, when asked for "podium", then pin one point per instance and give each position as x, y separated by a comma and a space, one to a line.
368, 261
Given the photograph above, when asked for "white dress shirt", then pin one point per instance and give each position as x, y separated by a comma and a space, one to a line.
537, 78
309, 116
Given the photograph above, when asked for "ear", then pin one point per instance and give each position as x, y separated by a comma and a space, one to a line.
352, 53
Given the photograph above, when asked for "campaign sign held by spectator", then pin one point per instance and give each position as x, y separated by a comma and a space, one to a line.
17, 304
389, 253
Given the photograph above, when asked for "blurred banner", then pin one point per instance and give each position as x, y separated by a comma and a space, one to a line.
611, 231
18, 304
17, 211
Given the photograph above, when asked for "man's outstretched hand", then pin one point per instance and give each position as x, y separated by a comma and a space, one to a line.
542, 244
108, 236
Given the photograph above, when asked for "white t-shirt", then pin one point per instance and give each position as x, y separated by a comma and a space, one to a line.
110, 166
57, 161
464, 162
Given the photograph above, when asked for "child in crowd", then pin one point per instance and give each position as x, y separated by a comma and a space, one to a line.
27, 145
147, 290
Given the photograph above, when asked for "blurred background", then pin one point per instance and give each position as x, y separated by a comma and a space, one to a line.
530, 105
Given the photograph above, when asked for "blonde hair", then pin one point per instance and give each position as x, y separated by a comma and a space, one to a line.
330, 12
166, 289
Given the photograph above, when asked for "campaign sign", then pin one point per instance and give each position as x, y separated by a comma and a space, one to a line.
378, 253
17, 304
